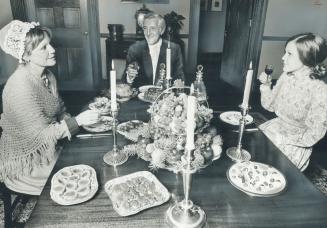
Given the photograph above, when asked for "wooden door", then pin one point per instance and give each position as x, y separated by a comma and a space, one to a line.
235, 59
75, 36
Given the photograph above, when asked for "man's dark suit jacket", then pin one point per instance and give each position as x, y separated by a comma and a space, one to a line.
140, 53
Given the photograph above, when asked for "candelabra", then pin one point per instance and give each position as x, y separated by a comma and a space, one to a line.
168, 83
238, 153
115, 156
185, 214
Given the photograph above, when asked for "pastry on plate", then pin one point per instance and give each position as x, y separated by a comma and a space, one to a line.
73, 184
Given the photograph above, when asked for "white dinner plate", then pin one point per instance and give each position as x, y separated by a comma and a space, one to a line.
233, 118
73, 184
256, 179
104, 125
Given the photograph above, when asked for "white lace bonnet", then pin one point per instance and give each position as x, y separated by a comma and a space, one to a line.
12, 37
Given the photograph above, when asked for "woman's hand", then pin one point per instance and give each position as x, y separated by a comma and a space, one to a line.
88, 117
264, 78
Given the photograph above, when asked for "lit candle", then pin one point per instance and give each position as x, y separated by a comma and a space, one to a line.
190, 122
192, 89
247, 87
168, 62
113, 87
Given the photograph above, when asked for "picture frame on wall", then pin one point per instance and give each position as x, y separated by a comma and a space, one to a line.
146, 1
216, 5
211, 5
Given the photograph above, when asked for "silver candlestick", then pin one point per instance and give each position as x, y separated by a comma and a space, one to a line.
168, 83
185, 214
237, 153
116, 156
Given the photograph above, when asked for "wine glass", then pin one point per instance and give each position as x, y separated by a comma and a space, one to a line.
269, 69
135, 67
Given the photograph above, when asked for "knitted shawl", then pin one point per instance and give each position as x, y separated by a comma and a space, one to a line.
29, 137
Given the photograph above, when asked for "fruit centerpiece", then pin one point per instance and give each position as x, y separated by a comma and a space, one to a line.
165, 145
168, 116
167, 129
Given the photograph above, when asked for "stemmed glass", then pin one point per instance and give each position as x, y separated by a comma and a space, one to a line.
269, 69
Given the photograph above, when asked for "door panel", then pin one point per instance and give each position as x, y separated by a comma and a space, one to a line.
69, 23
72, 17
234, 59
46, 17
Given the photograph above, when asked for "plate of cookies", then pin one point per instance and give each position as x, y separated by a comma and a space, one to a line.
133, 129
256, 179
135, 192
73, 185
150, 94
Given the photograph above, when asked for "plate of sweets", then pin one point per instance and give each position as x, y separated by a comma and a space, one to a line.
136, 192
133, 129
105, 124
150, 94
73, 184
101, 104
256, 179
233, 118
143, 89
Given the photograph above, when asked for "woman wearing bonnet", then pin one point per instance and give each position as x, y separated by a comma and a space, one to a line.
299, 99
34, 117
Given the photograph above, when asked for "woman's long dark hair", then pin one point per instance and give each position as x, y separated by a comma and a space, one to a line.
312, 51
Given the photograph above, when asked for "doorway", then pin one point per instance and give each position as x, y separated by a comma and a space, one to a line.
234, 34
75, 37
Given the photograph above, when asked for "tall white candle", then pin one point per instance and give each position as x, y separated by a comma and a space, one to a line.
190, 122
168, 62
247, 87
192, 89
113, 88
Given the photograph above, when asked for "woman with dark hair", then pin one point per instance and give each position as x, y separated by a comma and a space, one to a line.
299, 99
34, 116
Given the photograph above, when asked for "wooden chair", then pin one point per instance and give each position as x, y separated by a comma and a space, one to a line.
9, 206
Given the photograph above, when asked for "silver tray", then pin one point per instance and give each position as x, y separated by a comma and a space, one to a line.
125, 196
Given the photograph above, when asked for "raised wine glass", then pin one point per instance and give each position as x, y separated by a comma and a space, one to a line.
269, 69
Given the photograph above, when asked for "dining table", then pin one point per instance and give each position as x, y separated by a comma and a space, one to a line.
301, 204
